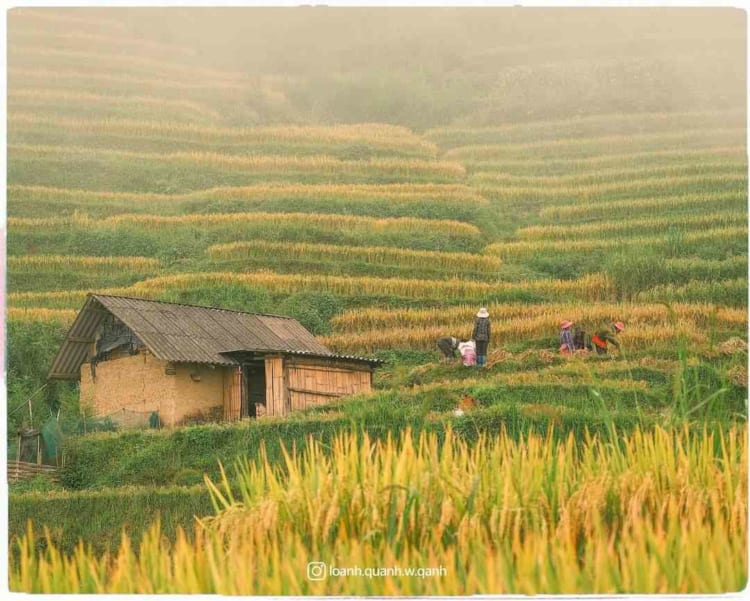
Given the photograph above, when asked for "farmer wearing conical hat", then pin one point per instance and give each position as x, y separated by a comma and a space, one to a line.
607, 334
566, 338
481, 335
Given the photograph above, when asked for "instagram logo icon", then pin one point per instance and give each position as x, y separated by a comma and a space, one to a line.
316, 570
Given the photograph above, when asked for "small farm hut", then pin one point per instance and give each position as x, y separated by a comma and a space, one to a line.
143, 362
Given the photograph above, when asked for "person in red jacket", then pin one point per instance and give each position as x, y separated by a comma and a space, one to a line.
607, 335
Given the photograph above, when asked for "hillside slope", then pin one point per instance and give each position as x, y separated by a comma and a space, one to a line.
380, 189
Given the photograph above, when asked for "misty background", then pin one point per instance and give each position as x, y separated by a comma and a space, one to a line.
415, 67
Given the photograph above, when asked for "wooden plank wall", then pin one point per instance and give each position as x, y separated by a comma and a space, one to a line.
232, 393
277, 388
316, 383
20, 470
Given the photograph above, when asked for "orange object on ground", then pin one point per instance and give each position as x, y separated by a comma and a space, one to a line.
598, 341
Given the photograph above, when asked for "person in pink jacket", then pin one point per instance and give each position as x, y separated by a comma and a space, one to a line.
468, 352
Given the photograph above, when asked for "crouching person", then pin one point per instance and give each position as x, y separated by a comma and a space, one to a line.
607, 335
468, 352
448, 346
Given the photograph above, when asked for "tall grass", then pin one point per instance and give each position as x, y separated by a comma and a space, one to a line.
656, 512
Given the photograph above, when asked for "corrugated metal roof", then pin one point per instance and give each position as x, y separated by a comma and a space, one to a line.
183, 333
327, 355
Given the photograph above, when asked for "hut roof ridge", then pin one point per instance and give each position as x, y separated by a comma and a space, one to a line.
148, 300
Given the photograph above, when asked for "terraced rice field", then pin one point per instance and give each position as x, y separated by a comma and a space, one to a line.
134, 171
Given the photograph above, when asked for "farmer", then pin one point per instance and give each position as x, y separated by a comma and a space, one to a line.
448, 346
607, 334
468, 352
566, 338
581, 340
481, 335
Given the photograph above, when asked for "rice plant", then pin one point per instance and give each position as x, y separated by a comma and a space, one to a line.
661, 511
607, 176
500, 191
384, 136
457, 263
32, 263
529, 248
639, 336
582, 127
594, 287
633, 227
636, 207
596, 146
55, 101
547, 316
563, 165
383, 192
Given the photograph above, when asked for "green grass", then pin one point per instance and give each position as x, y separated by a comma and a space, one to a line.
94, 169
160, 458
100, 517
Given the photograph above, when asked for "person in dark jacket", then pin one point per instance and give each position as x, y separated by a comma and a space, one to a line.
607, 335
481, 335
448, 345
